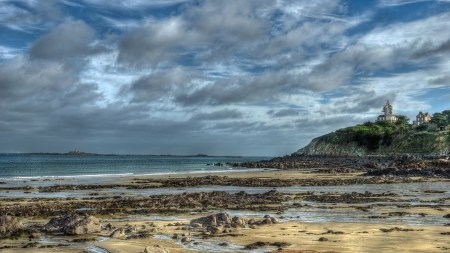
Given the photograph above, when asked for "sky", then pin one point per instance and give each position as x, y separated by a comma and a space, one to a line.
216, 77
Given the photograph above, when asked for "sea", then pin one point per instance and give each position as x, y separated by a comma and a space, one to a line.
29, 166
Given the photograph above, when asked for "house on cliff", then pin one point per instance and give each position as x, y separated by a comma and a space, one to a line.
421, 118
388, 115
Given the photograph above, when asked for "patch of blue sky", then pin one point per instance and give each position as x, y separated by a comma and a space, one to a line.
438, 97
16, 39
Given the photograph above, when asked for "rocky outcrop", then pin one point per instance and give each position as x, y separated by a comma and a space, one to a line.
219, 219
87, 225
347, 143
70, 225
58, 224
9, 225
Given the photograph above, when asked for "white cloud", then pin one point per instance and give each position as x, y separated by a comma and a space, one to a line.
407, 34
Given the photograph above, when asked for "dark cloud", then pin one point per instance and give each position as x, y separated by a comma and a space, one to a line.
68, 40
158, 86
428, 49
218, 115
248, 89
442, 80
283, 113
357, 102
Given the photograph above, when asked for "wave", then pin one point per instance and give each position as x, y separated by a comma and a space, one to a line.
68, 176
109, 175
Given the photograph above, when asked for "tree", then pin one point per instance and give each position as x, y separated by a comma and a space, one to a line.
439, 119
402, 121
447, 114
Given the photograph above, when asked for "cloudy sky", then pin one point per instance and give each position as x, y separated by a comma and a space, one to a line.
220, 77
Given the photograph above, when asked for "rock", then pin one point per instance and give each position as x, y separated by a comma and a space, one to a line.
109, 226
196, 225
215, 230
9, 225
267, 221
274, 220
185, 239
213, 220
176, 236
118, 233
58, 224
251, 221
87, 225
155, 249
323, 239
238, 222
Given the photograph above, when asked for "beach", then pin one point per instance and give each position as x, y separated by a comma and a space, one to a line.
309, 210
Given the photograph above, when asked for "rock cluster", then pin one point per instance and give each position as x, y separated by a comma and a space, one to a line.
353, 197
9, 225
71, 225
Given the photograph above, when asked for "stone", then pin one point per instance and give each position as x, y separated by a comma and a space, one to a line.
87, 225
213, 220
267, 221
323, 239
58, 224
238, 222
251, 221
215, 230
274, 220
155, 249
118, 233
9, 225
185, 239
109, 226
176, 236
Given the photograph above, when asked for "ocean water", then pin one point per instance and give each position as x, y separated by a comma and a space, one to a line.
23, 166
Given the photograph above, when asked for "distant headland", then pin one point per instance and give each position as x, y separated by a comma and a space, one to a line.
75, 152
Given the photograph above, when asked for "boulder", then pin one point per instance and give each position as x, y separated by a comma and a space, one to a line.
274, 220
88, 225
238, 222
185, 239
266, 221
9, 225
118, 233
213, 220
58, 224
215, 230
155, 249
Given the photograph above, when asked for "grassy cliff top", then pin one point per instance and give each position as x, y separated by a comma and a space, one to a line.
382, 138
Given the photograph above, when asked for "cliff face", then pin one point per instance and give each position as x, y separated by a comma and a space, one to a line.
341, 143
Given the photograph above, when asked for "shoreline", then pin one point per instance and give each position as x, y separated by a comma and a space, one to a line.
325, 208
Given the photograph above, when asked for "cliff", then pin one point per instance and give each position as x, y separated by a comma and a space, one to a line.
361, 140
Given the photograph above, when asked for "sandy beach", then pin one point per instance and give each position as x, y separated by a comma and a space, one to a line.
313, 211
